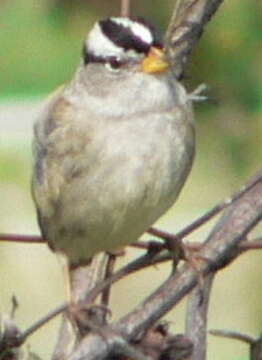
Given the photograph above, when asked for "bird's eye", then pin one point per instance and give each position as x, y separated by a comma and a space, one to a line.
113, 63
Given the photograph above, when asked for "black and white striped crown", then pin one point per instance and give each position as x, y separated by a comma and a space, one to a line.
119, 37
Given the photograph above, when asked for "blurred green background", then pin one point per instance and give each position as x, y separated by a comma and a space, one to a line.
40, 44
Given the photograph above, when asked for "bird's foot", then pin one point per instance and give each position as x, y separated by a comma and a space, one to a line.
88, 317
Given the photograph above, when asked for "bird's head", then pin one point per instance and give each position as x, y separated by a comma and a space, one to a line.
122, 44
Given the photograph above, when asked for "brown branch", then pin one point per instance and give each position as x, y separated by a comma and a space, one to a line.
139, 263
35, 239
185, 28
204, 218
30, 239
233, 335
221, 247
254, 244
108, 273
196, 317
125, 8
255, 350
136, 265
65, 341
82, 279
255, 345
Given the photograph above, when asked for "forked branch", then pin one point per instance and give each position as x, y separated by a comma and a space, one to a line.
219, 249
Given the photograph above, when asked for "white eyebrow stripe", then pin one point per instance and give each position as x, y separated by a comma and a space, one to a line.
138, 29
99, 44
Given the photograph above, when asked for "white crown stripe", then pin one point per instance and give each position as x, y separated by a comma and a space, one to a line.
102, 46
99, 44
137, 29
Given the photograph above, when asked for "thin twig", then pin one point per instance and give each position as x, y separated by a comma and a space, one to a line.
109, 272
35, 239
125, 8
205, 217
247, 210
255, 345
255, 244
133, 266
233, 335
39, 323
30, 239
127, 269
137, 264
220, 247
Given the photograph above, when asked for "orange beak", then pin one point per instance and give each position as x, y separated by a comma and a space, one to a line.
155, 61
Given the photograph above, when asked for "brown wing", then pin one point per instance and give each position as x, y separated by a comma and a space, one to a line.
44, 125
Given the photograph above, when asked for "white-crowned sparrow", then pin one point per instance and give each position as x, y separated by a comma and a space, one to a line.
113, 148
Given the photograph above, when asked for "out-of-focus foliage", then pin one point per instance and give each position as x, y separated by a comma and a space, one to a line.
41, 40
229, 59
41, 43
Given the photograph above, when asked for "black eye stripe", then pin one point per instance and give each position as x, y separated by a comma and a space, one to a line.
123, 36
91, 58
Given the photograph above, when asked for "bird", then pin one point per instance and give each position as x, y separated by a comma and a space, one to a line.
113, 147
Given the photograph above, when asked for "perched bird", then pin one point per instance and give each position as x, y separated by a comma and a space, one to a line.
113, 148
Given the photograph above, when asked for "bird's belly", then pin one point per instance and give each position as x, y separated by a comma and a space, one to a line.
120, 196
110, 213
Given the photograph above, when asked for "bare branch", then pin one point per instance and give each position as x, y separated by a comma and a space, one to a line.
38, 324
220, 247
196, 317
35, 239
185, 28
256, 350
204, 218
30, 239
131, 267
82, 279
255, 345
108, 273
125, 8
86, 277
233, 335
65, 341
